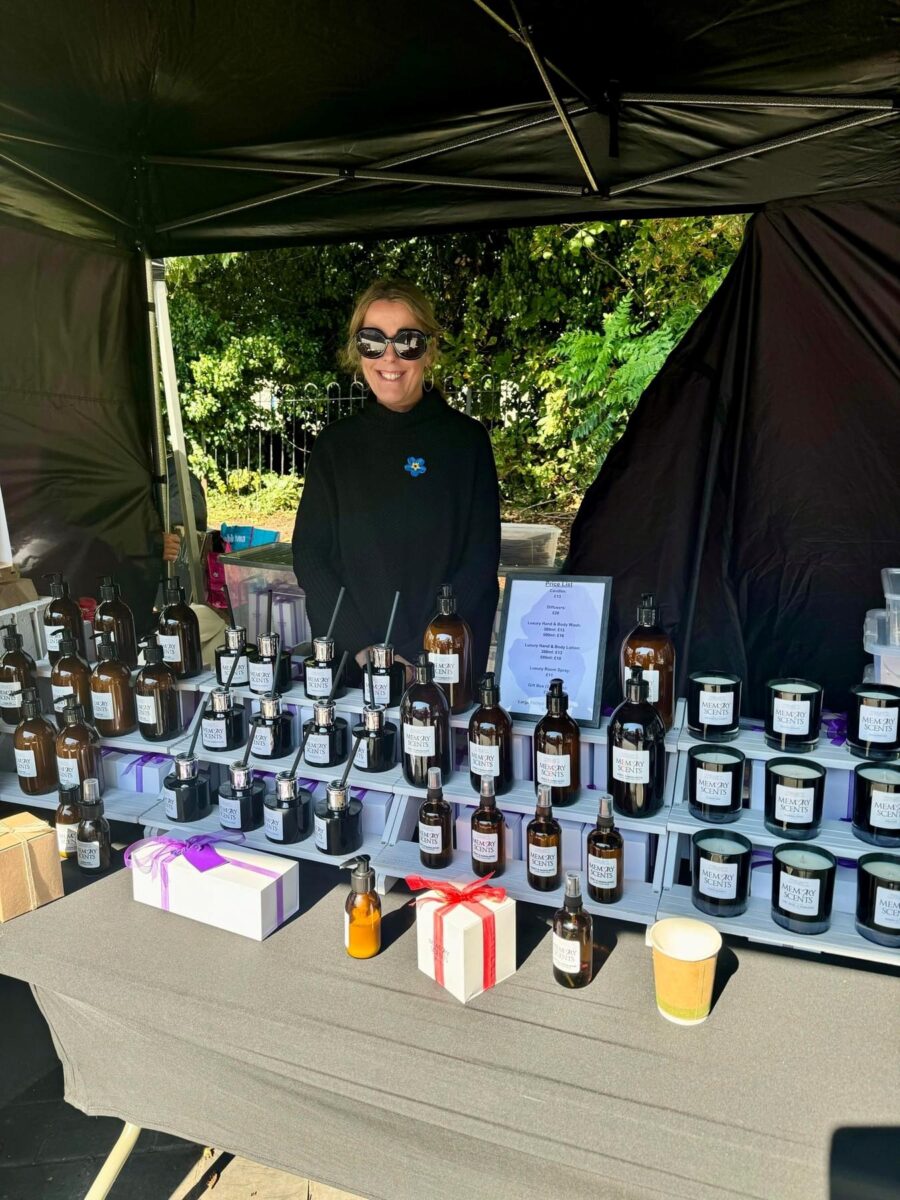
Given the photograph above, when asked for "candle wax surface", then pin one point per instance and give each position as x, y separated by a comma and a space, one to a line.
795, 689
807, 860
716, 680
878, 696
717, 756
721, 845
800, 771
887, 868
881, 775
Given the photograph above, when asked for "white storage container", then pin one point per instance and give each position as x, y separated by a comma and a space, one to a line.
890, 581
877, 643
528, 545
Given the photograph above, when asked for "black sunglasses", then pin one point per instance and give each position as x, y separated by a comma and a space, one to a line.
407, 343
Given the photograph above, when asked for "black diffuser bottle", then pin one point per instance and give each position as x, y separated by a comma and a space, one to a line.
376, 749
388, 677
288, 815
186, 790
270, 671
326, 737
241, 799
636, 752
234, 646
224, 727
271, 731
319, 671
338, 820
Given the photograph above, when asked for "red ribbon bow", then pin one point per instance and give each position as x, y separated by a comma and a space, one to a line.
470, 895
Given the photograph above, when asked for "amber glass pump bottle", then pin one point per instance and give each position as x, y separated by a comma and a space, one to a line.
77, 748
362, 912
557, 748
156, 696
62, 617
448, 644
490, 739
425, 725
17, 672
636, 752
111, 694
649, 647
179, 633
34, 746
70, 676
115, 618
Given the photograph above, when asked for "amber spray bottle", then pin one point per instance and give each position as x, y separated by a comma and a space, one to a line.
435, 825
425, 726
605, 857
93, 847
318, 669
573, 938
68, 815
112, 697
488, 833
448, 644
543, 836
62, 618
70, 676
17, 672
34, 746
490, 739
649, 647
179, 632
77, 747
557, 748
362, 912
114, 617
156, 696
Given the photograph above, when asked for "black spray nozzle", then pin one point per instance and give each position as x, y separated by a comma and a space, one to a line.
605, 813
573, 891
435, 786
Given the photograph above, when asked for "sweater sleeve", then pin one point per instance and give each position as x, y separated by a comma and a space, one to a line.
475, 577
315, 550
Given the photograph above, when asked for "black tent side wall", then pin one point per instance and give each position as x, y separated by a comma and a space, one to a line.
75, 414
793, 369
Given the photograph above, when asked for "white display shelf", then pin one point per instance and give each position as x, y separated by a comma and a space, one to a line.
156, 819
752, 743
835, 836
118, 805
199, 683
131, 743
757, 925
393, 863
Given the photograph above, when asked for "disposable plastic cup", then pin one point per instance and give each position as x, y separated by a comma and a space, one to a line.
684, 967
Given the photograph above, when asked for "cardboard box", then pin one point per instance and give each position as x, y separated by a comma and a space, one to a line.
217, 882
452, 943
14, 590
30, 869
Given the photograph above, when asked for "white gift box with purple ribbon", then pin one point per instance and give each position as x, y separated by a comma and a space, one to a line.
214, 879
140, 772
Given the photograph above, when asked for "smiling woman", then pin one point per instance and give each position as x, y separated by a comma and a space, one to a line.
401, 496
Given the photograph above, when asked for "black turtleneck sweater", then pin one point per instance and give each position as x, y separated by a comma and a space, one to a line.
371, 519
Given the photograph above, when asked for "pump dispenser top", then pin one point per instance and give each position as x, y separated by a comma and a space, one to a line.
31, 704
12, 639
648, 610
152, 652
109, 589
446, 600
557, 698
173, 592
489, 690
362, 878
637, 690
424, 671
58, 586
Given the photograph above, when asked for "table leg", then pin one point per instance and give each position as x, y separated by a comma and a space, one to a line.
115, 1161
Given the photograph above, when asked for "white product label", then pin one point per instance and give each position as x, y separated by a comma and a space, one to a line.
794, 804
877, 724
603, 872
790, 716
26, 766
170, 646
718, 880
66, 836
485, 847
554, 770
884, 814
88, 854
147, 711
53, 633
543, 860
419, 740
798, 895
214, 734
446, 667
274, 823
318, 681
484, 760
361, 757
262, 676
11, 694
631, 766
59, 691
381, 689
67, 770
316, 751
431, 839
651, 678
241, 671
229, 813
713, 787
320, 834
263, 741
171, 804
102, 703
887, 907
566, 954
716, 708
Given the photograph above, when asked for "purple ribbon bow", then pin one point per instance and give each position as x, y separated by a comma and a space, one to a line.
144, 760
200, 851
835, 726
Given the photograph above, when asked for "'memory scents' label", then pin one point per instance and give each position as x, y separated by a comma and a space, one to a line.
102, 704
566, 954
318, 681
147, 712
67, 771
170, 646
317, 748
446, 667
790, 716
884, 813
554, 770
262, 676
214, 734
485, 847
718, 880
716, 708
602, 872
26, 765
88, 855
419, 740
320, 833
631, 766
273, 824
713, 787
794, 805
798, 895
381, 689
229, 813
887, 907
877, 724
431, 839
543, 860
484, 760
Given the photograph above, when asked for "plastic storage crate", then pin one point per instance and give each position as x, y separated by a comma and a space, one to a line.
249, 575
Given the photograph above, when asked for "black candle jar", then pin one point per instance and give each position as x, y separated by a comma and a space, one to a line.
338, 821
388, 677
795, 793
873, 722
223, 724
802, 887
234, 646
878, 898
326, 743
271, 730
241, 799
720, 872
876, 804
715, 783
288, 812
186, 790
264, 661
793, 715
714, 706
377, 746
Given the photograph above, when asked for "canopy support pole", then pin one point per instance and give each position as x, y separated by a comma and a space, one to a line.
50, 182
161, 480
176, 429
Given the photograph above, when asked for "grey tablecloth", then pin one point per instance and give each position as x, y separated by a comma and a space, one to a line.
368, 1076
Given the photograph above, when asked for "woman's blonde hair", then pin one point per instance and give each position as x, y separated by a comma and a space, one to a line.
399, 291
